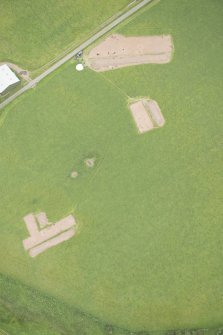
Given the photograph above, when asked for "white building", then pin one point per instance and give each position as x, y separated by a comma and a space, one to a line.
7, 78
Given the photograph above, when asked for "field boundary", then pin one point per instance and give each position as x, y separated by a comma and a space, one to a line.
9, 298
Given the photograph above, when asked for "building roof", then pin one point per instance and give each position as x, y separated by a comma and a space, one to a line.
7, 77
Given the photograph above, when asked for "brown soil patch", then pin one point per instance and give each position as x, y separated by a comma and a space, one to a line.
51, 243
42, 238
141, 117
74, 174
118, 51
90, 162
154, 111
31, 224
42, 219
147, 115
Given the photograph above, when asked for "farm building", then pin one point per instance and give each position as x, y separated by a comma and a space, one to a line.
7, 78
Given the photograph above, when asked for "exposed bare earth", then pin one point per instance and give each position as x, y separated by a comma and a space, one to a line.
141, 117
90, 162
52, 242
147, 115
44, 235
31, 225
74, 174
154, 111
42, 219
118, 51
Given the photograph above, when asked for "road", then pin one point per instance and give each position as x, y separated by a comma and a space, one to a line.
70, 55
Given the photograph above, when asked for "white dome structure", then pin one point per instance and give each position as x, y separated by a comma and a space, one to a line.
79, 67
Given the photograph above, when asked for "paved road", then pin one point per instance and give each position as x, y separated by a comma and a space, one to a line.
84, 45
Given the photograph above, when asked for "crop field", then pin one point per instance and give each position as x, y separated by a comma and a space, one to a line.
147, 255
34, 32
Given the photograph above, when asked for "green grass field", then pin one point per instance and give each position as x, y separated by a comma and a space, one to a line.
34, 32
148, 253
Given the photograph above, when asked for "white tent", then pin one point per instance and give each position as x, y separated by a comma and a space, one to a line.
79, 67
7, 77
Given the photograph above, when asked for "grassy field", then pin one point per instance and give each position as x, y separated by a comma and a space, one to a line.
22, 312
148, 253
33, 33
